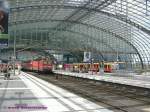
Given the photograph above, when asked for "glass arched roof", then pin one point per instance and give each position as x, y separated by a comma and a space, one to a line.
108, 27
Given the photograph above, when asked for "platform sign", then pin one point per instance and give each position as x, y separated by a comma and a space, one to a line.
87, 56
4, 11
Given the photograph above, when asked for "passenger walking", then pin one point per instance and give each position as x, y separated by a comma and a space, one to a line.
6, 72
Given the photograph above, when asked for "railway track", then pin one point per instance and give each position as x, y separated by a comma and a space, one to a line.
118, 98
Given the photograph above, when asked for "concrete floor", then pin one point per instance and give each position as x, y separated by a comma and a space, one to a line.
25, 93
121, 78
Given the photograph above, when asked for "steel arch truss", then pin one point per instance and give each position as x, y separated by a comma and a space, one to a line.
95, 38
128, 24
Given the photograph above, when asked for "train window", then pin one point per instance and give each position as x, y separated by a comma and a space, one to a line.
45, 62
105, 66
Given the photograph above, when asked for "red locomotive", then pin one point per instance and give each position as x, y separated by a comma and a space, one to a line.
38, 65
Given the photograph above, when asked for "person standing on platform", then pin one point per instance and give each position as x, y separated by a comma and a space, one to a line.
19, 69
101, 68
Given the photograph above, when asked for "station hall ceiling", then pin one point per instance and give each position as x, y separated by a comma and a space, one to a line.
103, 26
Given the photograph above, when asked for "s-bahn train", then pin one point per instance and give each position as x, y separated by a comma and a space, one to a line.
39, 65
94, 67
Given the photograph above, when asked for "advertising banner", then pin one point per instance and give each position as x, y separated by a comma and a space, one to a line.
4, 11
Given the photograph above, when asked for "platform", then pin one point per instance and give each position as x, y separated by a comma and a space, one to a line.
25, 93
125, 78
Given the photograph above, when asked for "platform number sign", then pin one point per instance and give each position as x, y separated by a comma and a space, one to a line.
4, 11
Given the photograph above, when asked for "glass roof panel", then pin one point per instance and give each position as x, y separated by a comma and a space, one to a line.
119, 25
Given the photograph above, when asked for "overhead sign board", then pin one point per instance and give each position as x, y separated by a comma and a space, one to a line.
4, 11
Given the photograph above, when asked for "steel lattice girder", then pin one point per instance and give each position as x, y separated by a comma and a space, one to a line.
91, 7
126, 20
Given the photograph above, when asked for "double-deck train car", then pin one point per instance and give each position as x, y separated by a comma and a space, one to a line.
38, 65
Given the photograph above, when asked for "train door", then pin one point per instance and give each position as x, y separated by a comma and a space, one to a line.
81, 67
108, 68
41, 65
96, 66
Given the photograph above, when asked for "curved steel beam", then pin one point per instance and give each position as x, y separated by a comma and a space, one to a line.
98, 28
126, 20
115, 51
104, 30
104, 43
87, 36
87, 25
